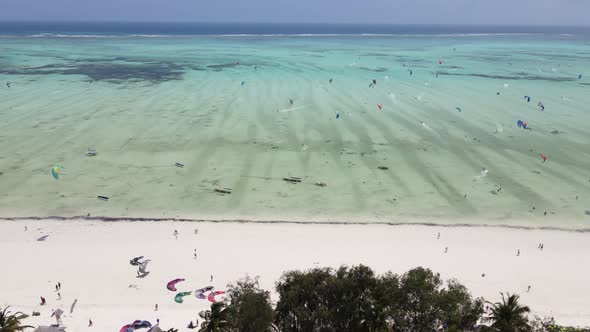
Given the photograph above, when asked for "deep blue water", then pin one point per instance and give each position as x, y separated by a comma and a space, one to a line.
103, 28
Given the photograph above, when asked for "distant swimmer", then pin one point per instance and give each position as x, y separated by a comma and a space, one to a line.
527, 98
374, 82
337, 115
458, 109
330, 80
8, 84
291, 101
411, 72
255, 67
579, 76
541, 106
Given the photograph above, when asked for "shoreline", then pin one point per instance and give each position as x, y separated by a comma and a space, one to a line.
297, 222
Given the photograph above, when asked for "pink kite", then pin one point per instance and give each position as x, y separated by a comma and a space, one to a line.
544, 156
379, 106
171, 286
212, 295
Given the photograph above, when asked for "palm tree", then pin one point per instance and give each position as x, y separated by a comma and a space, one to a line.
217, 321
509, 315
11, 322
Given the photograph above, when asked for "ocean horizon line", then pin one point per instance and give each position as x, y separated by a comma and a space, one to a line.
160, 29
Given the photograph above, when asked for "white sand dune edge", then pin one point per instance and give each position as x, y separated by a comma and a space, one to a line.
91, 260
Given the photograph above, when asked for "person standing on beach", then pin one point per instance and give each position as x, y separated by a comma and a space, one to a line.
176, 234
195, 254
446, 249
528, 289
211, 279
58, 296
90, 323
518, 252
156, 309
438, 236
59, 285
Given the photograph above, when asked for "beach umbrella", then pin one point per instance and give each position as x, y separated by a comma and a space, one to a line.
50, 329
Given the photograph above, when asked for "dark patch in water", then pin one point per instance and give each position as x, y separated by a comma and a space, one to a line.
155, 72
451, 67
584, 83
223, 66
518, 76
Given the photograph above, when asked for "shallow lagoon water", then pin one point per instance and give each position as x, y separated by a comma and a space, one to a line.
221, 107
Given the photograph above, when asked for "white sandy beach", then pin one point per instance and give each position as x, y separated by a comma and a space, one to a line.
91, 260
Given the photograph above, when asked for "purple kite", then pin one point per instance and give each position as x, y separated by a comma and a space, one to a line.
171, 286
200, 293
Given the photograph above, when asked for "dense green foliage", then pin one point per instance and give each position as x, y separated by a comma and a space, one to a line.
356, 299
249, 308
509, 315
12, 322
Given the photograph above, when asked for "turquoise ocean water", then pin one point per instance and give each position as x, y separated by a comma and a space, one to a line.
244, 111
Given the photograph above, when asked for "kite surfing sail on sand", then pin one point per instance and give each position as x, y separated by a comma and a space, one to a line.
171, 286
179, 297
212, 295
143, 266
200, 293
138, 324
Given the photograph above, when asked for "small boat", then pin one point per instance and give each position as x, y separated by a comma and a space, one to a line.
292, 179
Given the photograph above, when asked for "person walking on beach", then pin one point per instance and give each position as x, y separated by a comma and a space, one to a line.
59, 285
195, 254
58, 296
528, 289
446, 249
211, 279
438, 236
156, 309
90, 323
176, 234
518, 252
